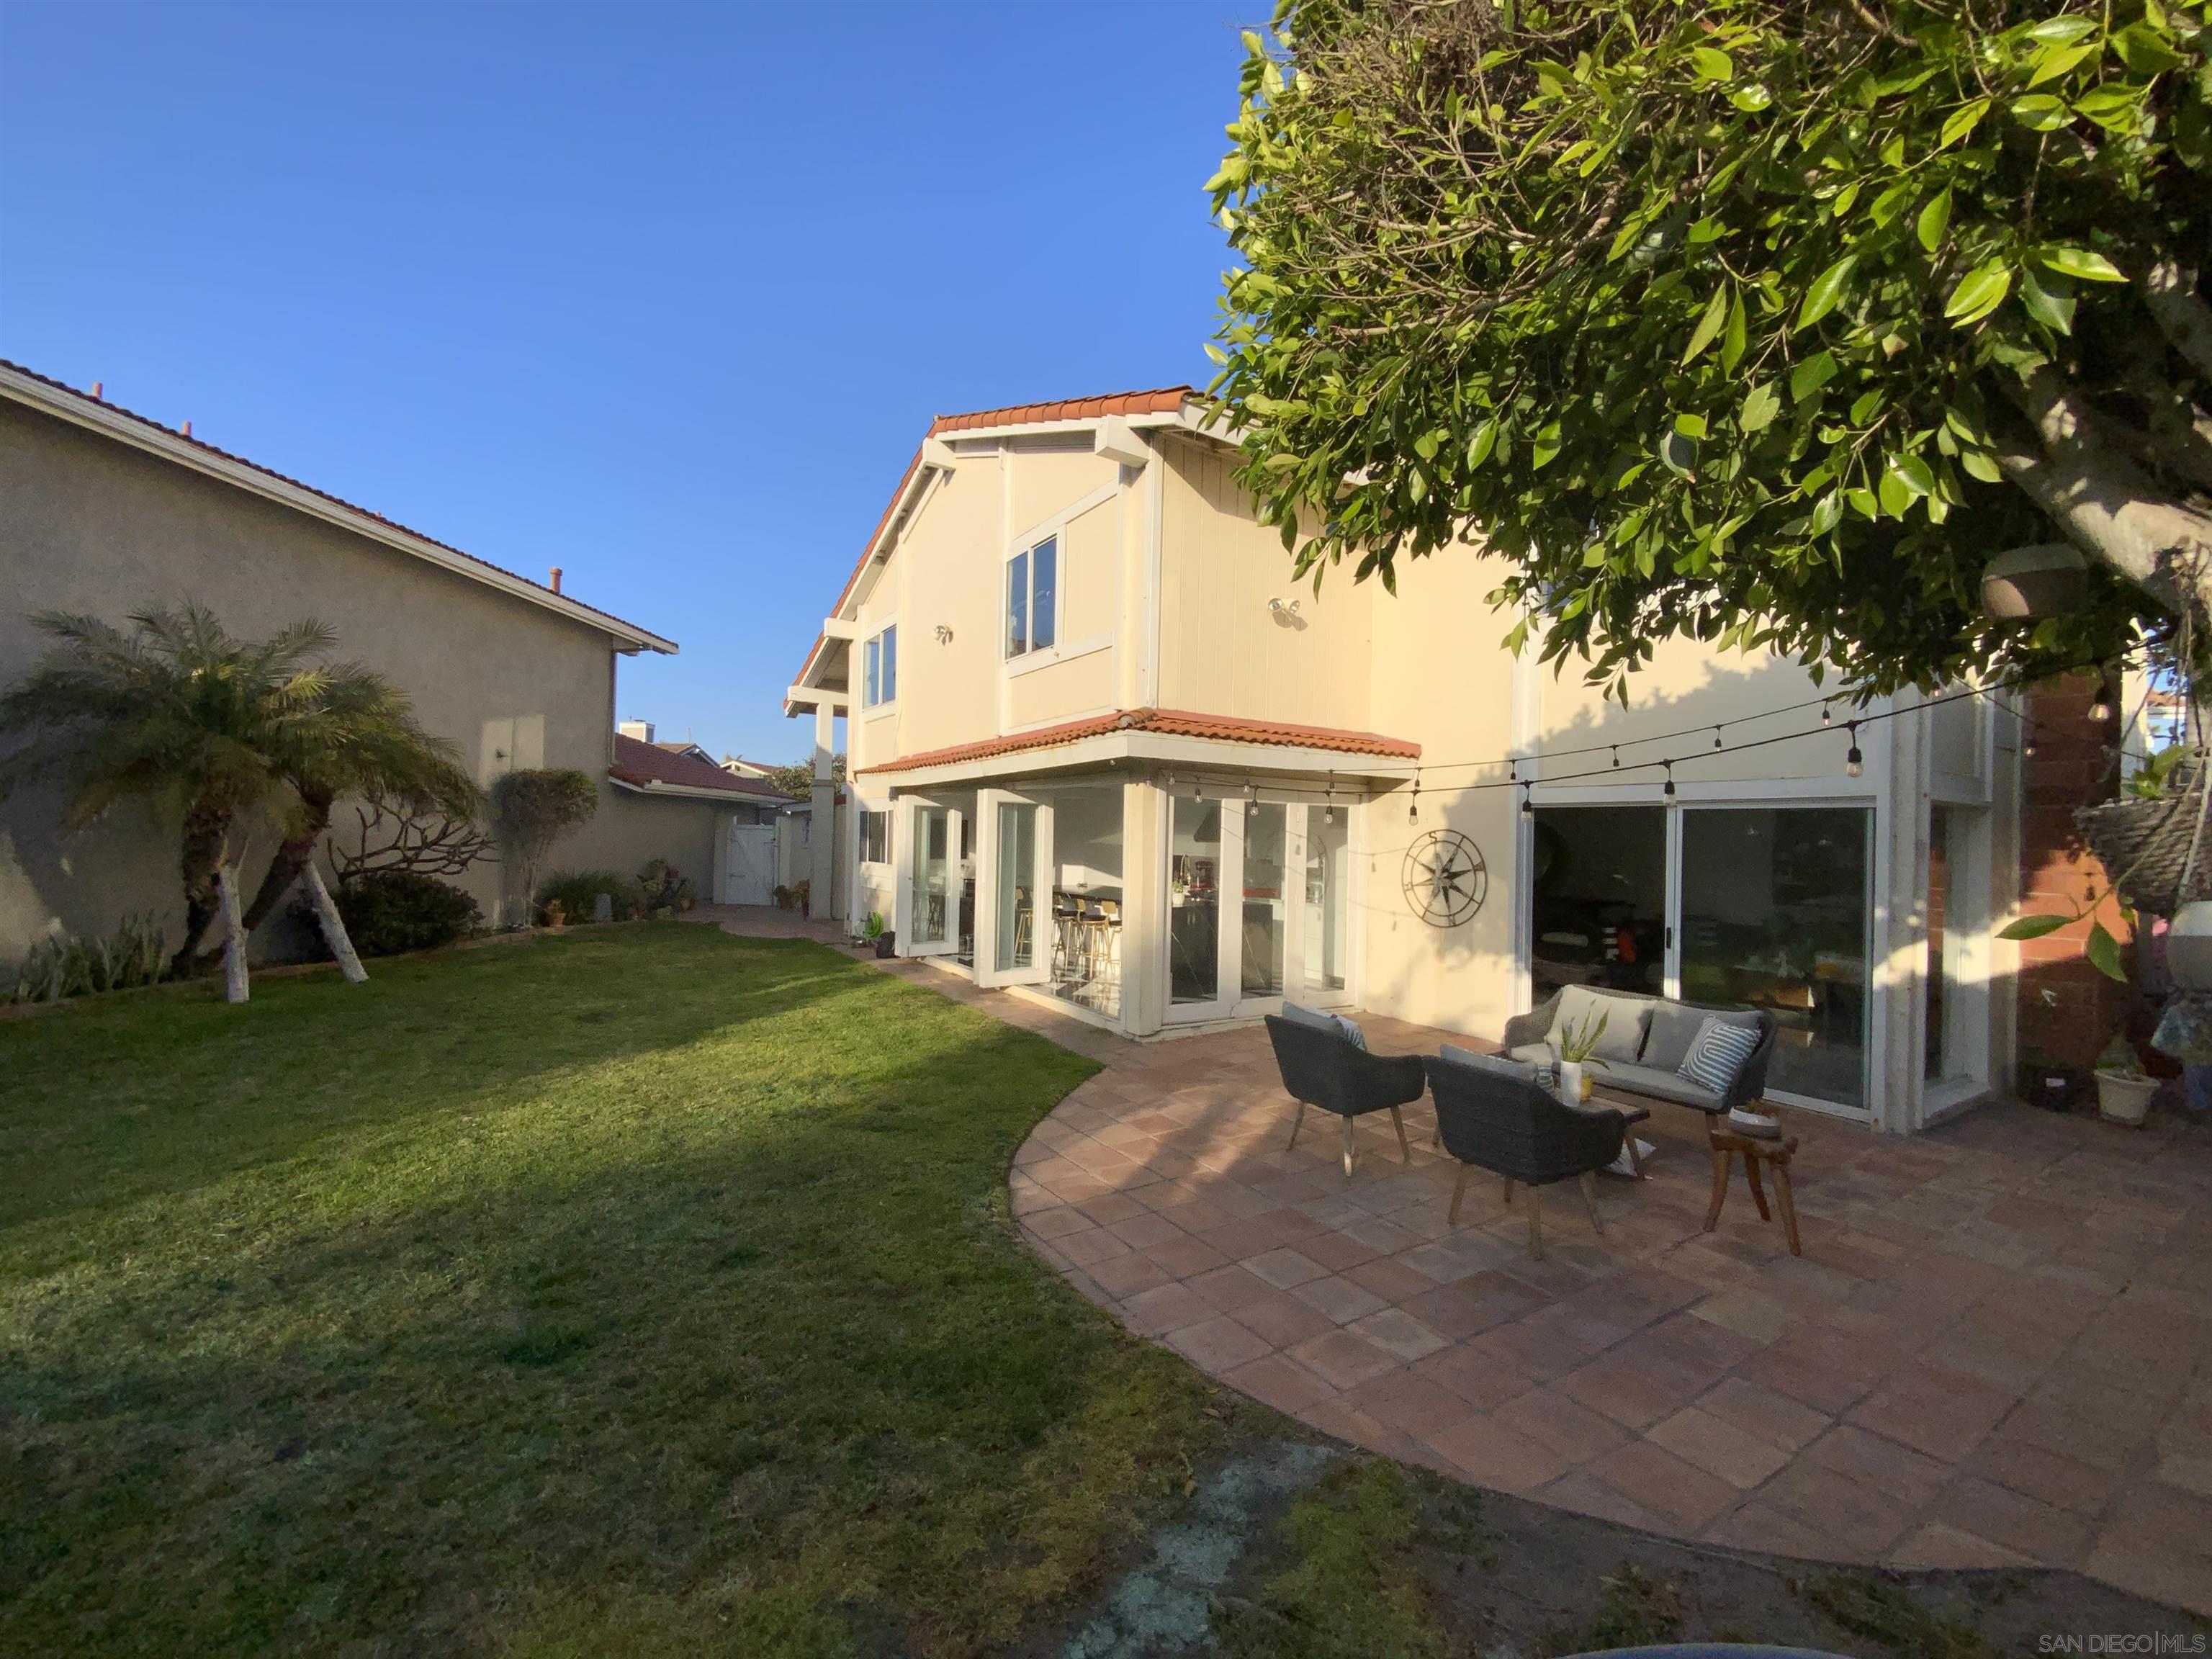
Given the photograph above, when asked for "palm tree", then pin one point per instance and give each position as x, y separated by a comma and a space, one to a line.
176, 711
362, 739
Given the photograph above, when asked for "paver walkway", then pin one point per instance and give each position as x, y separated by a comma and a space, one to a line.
1996, 1348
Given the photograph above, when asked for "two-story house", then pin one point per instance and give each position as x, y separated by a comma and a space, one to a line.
1104, 749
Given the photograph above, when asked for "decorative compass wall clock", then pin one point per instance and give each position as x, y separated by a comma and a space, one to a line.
1446, 880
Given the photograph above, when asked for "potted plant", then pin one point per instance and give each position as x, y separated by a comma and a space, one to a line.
1577, 1052
872, 932
2124, 1088
556, 915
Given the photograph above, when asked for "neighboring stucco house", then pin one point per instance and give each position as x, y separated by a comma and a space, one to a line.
719, 830
1104, 749
102, 511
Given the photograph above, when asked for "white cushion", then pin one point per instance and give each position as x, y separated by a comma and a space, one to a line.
1718, 1055
1580, 1008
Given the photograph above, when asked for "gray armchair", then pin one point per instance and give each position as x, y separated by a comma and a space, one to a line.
1321, 1068
1514, 1127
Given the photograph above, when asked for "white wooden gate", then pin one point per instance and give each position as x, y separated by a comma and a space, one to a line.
748, 866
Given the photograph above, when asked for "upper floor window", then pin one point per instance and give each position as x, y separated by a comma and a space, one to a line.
1033, 598
879, 668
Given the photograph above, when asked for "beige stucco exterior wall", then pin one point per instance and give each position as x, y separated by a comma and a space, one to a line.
88, 524
1222, 650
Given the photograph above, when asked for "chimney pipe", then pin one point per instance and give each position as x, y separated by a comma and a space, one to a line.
556, 579
97, 386
188, 428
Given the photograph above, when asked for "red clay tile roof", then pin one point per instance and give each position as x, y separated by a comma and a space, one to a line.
639, 764
1163, 400
324, 495
1171, 722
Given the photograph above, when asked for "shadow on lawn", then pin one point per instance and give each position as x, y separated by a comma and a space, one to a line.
177, 1089
646, 1339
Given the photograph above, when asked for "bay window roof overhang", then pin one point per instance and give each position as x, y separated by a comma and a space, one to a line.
1163, 740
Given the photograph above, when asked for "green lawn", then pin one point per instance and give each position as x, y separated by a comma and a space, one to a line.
640, 1291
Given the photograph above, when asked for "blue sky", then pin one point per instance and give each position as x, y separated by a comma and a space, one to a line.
662, 294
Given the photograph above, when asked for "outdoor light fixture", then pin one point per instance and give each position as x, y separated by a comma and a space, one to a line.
2100, 711
1616, 758
1328, 812
1854, 761
1669, 790
1251, 790
944, 635
1414, 805
1528, 806
1716, 737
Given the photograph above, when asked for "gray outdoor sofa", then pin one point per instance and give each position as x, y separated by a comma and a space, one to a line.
1645, 1039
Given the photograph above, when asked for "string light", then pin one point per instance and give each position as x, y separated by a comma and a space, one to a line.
1528, 806
1716, 737
1854, 762
1827, 715
1616, 758
1252, 790
1328, 812
1669, 791
1414, 805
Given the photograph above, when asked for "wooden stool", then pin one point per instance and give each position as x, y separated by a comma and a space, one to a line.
1755, 1150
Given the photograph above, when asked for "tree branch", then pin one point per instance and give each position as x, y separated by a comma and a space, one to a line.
2106, 504
2169, 291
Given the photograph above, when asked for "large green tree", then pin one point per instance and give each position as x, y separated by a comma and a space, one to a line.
1762, 321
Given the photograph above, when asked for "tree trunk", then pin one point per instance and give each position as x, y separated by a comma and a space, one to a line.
294, 855
199, 860
334, 930
234, 985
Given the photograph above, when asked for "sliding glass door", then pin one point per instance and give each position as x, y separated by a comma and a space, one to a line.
1258, 906
1764, 906
1775, 907
1014, 937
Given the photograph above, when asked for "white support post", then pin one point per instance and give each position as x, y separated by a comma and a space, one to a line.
333, 927
234, 985
822, 838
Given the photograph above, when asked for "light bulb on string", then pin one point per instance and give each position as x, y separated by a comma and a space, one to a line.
1414, 805
1716, 737
1669, 790
1616, 758
1328, 812
1827, 718
1854, 761
1528, 806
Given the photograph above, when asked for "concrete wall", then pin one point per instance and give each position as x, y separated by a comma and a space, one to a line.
91, 525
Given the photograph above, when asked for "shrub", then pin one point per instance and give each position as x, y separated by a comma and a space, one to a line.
783, 896
534, 808
578, 892
133, 955
389, 911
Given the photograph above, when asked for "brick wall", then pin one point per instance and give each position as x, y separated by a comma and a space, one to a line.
2068, 1010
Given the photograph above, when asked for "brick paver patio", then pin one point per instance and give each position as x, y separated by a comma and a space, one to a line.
1994, 1350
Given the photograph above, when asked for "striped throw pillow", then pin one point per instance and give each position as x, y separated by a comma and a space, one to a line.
1718, 1053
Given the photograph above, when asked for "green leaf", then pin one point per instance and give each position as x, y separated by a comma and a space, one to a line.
2036, 927
1732, 338
1888, 205
1980, 464
1828, 288
1914, 473
1690, 424
2048, 301
1712, 64
1827, 513
1863, 503
2104, 953
1760, 406
1809, 376
1479, 445
2050, 65
1934, 219
1963, 121
1679, 453
1979, 292
2116, 106
1750, 100
2062, 30
2080, 262
1545, 448
2141, 51
2039, 112
1894, 496
1708, 325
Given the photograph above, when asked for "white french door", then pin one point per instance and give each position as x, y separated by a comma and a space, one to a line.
1013, 887
926, 894
1258, 906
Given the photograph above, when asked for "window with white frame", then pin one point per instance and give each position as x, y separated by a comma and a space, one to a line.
1033, 598
875, 837
879, 668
